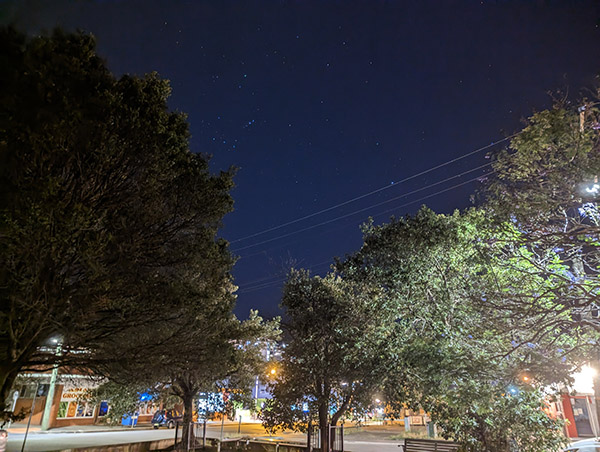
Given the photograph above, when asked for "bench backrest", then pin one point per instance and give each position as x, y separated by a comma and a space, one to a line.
429, 445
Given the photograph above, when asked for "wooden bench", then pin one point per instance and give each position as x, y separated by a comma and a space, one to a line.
428, 445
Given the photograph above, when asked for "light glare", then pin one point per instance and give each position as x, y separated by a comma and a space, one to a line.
583, 381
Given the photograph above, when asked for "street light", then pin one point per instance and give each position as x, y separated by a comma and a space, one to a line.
583, 381
593, 189
50, 396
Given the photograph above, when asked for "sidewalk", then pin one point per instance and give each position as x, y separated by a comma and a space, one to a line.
36, 429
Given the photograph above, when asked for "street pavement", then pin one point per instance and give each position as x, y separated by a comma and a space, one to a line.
367, 439
44, 442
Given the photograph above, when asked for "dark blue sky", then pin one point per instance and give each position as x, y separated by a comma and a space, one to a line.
319, 102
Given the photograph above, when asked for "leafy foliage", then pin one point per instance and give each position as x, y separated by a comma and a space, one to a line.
212, 352
107, 218
452, 356
334, 360
547, 183
123, 400
496, 418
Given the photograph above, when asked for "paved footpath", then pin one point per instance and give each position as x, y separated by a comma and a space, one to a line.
368, 439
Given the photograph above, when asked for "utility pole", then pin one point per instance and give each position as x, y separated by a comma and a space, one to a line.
581, 117
30, 416
50, 397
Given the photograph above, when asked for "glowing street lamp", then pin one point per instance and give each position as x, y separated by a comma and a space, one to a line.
583, 381
593, 189
45, 425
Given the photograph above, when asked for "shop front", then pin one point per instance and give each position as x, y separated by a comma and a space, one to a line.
579, 410
577, 406
74, 406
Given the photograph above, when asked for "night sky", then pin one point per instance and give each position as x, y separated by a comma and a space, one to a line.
318, 103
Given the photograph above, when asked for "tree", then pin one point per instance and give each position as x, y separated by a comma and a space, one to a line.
220, 354
452, 356
209, 351
123, 400
547, 183
104, 208
335, 356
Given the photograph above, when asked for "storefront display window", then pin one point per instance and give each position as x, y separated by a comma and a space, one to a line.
103, 410
73, 404
28, 391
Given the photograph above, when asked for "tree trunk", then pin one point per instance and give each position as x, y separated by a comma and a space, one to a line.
187, 395
324, 426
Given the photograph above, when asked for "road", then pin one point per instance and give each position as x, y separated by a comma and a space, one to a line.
371, 441
54, 440
44, 442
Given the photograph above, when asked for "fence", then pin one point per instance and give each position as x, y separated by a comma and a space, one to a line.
336, 438
196, 439
260, 446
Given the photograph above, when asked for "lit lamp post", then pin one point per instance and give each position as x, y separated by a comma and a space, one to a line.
51, 389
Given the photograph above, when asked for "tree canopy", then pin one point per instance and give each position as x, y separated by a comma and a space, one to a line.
106, 216
546, 182
452, 357
407, 318
334, 360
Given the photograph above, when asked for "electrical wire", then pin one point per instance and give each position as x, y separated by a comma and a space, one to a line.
360, 210
280, 279
267, 285
436, 193
261, 286
328, 209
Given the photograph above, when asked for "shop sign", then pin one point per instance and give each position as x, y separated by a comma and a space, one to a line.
73, 403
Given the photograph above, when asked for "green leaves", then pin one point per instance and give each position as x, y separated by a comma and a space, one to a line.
108, 222
459, 307
503, 418
545, 185
336, 355
443, 278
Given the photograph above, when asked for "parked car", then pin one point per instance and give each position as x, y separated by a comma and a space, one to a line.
585, 445
166, 418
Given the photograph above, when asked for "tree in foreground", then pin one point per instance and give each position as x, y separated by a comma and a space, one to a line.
546, 182
103, 209
335, 355
210, 352
451, 355
222, 355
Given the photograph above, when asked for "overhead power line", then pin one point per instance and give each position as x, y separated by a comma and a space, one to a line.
268, 284
341, 217
250, 287
328, 209
436, 193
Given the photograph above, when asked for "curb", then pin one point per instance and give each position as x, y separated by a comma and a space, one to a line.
56, 431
